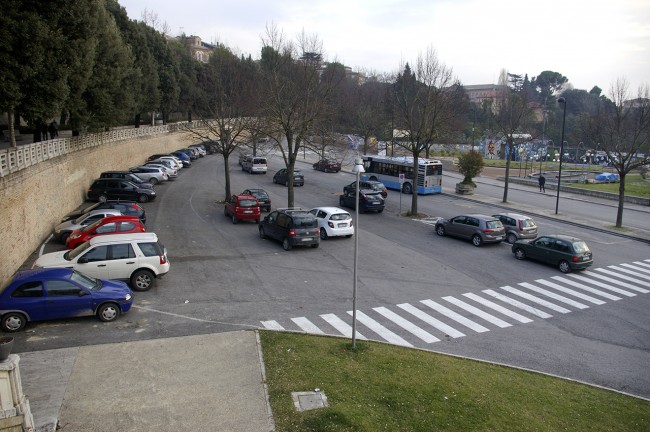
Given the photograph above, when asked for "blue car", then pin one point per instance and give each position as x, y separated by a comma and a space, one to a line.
187, 162
54, 293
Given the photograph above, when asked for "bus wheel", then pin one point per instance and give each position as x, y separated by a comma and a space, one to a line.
372, 178
407, 189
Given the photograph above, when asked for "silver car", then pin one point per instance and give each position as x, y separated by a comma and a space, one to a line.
63, 230
171, 172
478, 228
152, 175
517, 226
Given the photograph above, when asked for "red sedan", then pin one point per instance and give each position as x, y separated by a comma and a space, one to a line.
108, 225
327, 165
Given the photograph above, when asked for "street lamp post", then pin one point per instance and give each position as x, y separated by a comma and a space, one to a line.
561, 100
357, 170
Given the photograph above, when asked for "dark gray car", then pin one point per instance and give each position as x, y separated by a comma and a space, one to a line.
478, 228
291, 226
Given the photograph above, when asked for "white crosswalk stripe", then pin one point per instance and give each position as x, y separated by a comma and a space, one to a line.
307, 325
594, 286
518, 304
478, 312
498, 308
433, 322
406, 325
552, 295
610, 280
344, 328
535, 299
571, 292
586, 288
455, 316
382, 331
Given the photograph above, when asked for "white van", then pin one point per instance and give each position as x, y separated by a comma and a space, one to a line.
254, 164
137, 257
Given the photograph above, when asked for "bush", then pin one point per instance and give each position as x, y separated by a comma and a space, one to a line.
470, 164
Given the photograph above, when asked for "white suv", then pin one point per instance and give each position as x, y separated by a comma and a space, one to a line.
138, 258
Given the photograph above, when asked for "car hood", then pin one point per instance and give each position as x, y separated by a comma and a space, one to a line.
54, 259
114, 287
67, 225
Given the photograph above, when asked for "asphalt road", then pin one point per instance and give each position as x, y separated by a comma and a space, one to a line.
224, 277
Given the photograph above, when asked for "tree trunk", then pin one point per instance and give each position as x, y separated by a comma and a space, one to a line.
505, 185
621, 201
227, 174
414, 198
12, 131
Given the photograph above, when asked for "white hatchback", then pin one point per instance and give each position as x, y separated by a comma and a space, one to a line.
333, 222
138, 258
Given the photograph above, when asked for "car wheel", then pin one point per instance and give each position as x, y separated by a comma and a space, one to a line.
225, 211
341, 202
153, 181
13, 321
275, 180
373, 178
512, 237
323, 234
257, 221
262, 235
285, 244
477, 240
564, 266
102, 198
315, 245
286, 183
520, 254
108, 312
143, 198
64, 237
440, 230
234, 219
142, 280
407, 188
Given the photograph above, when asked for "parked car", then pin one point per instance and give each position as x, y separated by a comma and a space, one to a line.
128, 208
193, 155
254, 164
127, 175
172, 173
262, 198
478, 228
166, 156
566, 252
282, 177
109, 225
368, 184
153, 175
327, 165
63, 230
333, 222
105, 189
44, 294
242, 207
242, 157
202, 150
369, 200
138, 258
169, 161
292, 227
184, 158
517, 226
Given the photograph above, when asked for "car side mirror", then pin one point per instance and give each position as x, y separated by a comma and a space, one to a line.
82, 260
83, 293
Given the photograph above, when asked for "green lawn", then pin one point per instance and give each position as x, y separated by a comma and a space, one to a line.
382, 387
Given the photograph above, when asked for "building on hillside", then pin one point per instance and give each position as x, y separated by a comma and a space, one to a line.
199, 50
479, 92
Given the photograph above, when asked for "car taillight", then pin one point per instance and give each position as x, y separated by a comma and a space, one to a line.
350, 223
163, 259
488, 230
292, 233
575, 258
331, 224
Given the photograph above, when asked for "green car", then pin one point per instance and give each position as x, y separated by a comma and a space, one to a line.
566, 252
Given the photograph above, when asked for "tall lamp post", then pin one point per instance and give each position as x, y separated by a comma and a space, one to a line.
561, 100
357, 170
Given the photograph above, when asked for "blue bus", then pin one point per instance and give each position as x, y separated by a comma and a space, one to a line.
387, 170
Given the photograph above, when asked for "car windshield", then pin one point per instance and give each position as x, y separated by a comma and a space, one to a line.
580, 247
86, 281
304, 221
74, 253
494, 224
248, 203
259, 194
341, 216
92, 225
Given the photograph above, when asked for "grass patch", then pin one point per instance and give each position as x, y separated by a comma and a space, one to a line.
382, 387
634, 186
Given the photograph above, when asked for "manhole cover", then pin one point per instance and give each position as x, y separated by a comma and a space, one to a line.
304, 401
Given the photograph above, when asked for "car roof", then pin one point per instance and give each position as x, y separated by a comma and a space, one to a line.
120, 217
24, 275
331, 210
480, 216
117, 172
514, 215
119, 238
114, 212
563, 237
256, 190
245, 196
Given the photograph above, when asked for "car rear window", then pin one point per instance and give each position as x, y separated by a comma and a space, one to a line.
151, 248
248, 203
580, 247
340, 216
527, 223
494, 224
259, 161
304, 221
374, 196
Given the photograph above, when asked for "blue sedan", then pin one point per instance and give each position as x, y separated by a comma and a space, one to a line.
54, 293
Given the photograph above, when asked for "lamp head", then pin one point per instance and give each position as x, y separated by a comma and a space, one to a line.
561, 100
358, 166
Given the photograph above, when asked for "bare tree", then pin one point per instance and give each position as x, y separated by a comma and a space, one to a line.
296, 95
426, 103
621, 127
511, 116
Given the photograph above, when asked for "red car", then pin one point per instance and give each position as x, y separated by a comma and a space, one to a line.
108, 225
242, 207
327, 165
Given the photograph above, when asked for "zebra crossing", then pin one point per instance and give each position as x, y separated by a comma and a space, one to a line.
430, 321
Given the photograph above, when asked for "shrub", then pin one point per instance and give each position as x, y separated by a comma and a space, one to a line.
470, 164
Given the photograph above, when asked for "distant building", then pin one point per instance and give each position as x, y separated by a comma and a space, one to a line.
198, 49
479, 92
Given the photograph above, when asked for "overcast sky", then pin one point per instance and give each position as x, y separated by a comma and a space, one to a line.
591, 42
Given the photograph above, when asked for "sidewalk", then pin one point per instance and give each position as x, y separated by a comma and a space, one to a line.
194, 383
